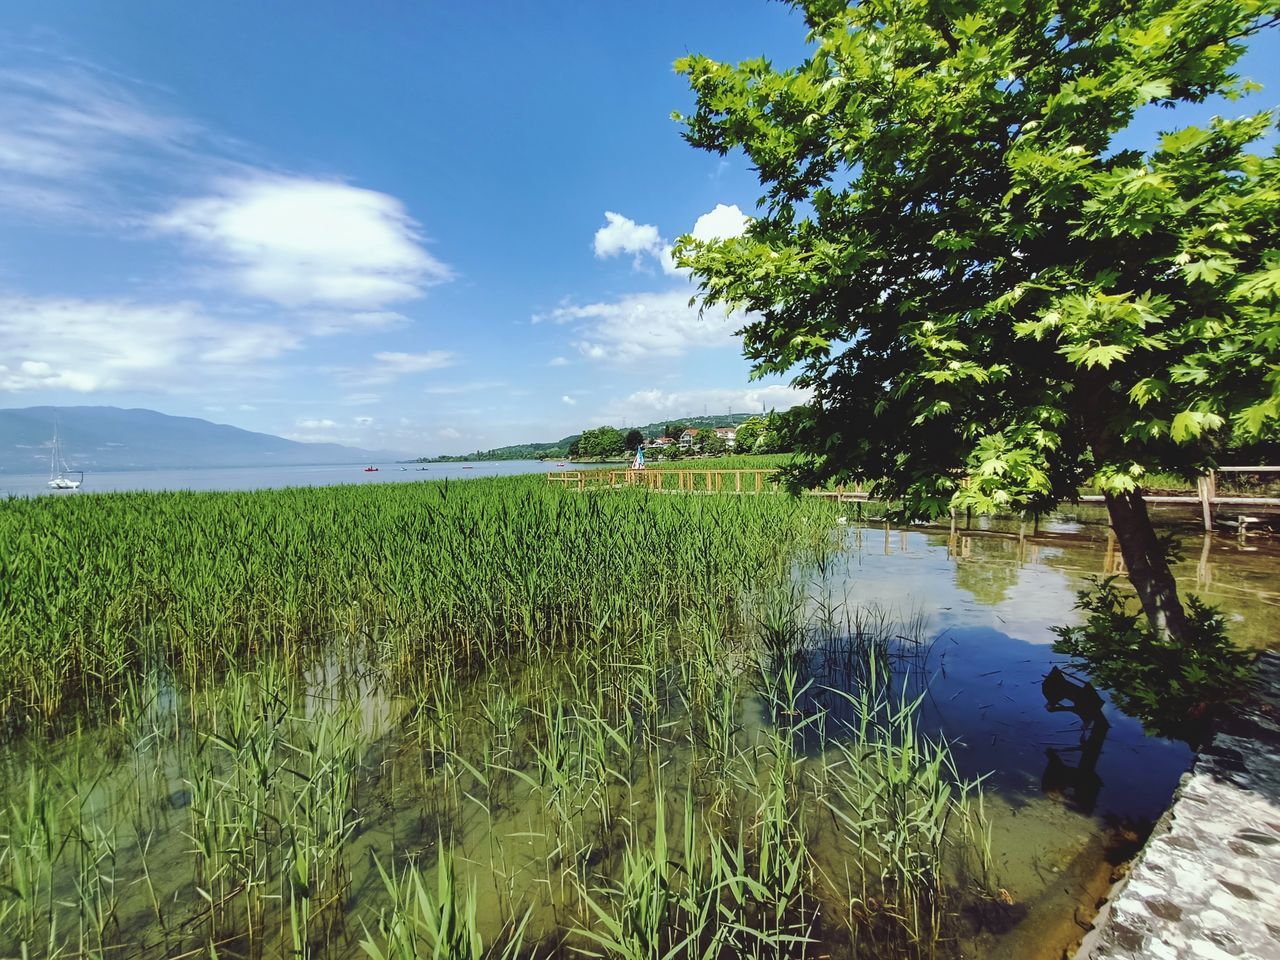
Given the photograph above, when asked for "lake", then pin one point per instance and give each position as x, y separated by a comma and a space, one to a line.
553, 699
259, 478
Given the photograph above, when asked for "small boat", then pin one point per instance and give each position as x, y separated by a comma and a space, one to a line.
59, 473
370, 469
468, 468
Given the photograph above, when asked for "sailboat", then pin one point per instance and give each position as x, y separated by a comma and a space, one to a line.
59, 473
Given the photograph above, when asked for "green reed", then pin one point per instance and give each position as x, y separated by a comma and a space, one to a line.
491, 719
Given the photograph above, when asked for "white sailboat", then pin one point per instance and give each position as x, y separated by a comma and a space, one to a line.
60, 475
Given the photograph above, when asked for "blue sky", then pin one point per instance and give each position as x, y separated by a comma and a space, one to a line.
426, 227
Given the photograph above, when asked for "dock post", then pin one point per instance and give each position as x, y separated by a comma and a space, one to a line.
1204, 489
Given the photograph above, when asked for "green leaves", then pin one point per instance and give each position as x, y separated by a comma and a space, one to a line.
949, 242
1189, 424
1094, 354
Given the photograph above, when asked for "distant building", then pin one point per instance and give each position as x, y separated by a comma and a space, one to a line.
687, 438
728, 434
661, 443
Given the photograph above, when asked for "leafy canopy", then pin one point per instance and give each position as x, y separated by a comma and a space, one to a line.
974, 278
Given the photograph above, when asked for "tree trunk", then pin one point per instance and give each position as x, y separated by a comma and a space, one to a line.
1147, 565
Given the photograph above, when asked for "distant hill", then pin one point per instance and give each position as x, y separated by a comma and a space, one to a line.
110, 438
560, 448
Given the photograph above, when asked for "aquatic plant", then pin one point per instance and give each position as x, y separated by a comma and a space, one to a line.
463, 720
1174, 685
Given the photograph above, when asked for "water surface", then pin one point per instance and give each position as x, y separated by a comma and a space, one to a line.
264, 477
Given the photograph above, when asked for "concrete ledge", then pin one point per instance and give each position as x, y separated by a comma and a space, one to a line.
1207, 883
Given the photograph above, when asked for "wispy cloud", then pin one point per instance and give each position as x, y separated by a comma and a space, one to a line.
387, 366
90, 345
271, 260
397, 363
453, 389
73, 137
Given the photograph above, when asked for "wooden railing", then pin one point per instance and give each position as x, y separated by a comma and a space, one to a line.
1207, 496
746, 481
739, 481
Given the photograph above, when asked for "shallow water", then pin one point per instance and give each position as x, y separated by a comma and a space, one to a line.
972, 612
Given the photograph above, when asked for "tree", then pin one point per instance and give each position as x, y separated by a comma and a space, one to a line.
748, 433
633, 439
674, 430
710, 442
978, 280
602, 442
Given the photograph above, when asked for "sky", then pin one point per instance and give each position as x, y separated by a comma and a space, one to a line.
423, 227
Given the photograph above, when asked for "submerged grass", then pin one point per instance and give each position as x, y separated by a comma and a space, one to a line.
488, 719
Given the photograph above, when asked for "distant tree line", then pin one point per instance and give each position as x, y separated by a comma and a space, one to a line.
766, 433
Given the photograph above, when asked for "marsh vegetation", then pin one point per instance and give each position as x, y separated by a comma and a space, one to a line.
479, 719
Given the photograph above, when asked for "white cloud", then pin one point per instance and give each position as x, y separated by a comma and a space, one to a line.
569, 400
646, 325
394, 362
91, 345
558, 362
364, 421
298, 242
310, 423
645, 406
722, 223
622, 235
448, 433
361, 399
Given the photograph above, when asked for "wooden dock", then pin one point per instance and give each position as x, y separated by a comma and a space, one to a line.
740, 481
748, 481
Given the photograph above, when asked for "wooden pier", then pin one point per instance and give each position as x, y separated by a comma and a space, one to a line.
748, 481
1207, 496
742, 481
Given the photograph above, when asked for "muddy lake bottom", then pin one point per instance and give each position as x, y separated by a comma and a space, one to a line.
279, 812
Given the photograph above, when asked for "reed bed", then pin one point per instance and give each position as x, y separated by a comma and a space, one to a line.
469, 720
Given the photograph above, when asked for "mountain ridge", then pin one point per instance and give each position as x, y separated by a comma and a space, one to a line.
137, 438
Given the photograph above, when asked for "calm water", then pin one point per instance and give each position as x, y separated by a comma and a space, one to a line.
1059, 791
1060, 794
257, 478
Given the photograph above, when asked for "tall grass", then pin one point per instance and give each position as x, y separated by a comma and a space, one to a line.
471, 720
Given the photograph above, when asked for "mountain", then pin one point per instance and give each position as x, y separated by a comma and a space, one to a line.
109, 438
559, 448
